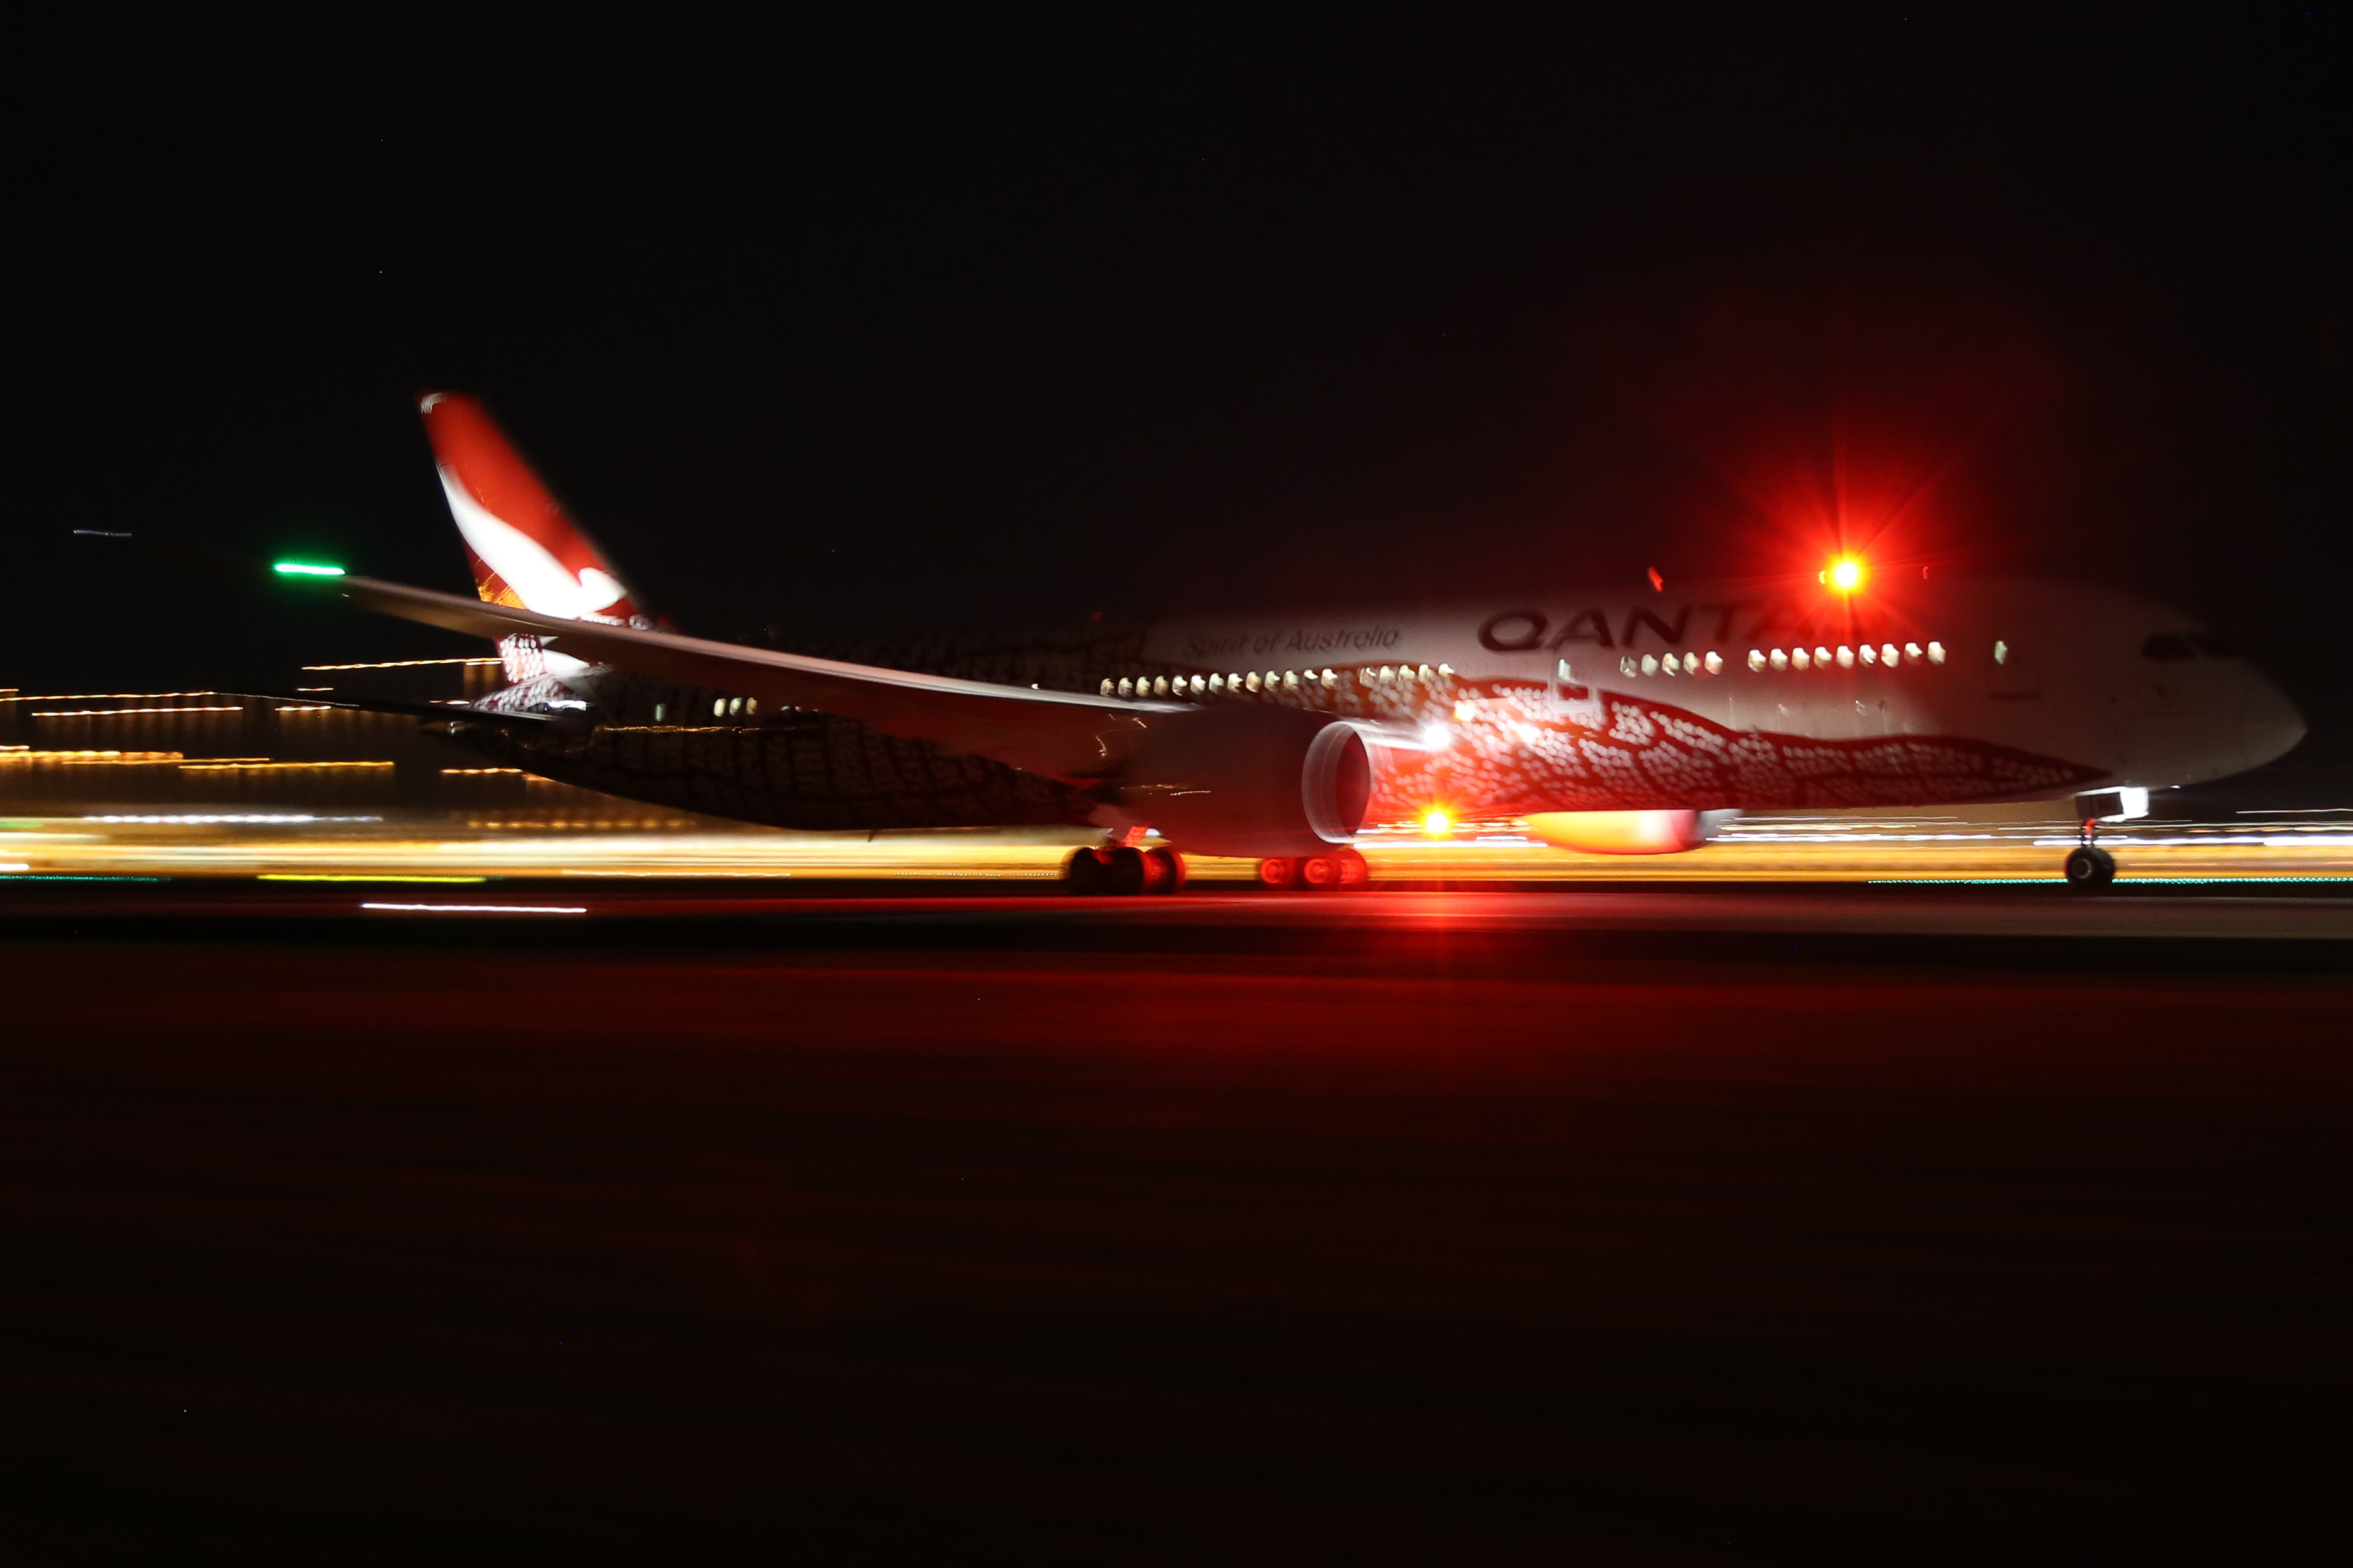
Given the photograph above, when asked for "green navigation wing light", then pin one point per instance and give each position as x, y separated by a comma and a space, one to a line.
305, 568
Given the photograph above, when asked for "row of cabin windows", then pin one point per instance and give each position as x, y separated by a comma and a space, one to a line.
1272, 681
721, 708
1711, 663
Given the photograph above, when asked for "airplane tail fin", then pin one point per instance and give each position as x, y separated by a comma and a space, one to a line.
525, 550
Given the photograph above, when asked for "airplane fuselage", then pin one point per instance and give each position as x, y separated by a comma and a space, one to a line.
1914, 694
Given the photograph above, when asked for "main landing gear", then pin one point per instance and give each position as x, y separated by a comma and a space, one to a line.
1333, 870
2088, 864
1122, 871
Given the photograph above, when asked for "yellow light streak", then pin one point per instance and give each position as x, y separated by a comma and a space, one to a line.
402, 664
356, 877
103, 696
271, 767
89, 759
117, 712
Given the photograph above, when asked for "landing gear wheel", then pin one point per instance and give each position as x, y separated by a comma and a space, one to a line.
1318, 873
1164, 871
1353, 873
1276, 871
1127, 875
2089, 866
1085, 875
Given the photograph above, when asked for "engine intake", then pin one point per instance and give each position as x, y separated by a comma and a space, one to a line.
1248, 779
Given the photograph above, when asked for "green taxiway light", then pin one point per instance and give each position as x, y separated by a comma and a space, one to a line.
303, 569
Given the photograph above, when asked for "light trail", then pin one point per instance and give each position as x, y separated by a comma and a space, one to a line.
477, 908
290, 846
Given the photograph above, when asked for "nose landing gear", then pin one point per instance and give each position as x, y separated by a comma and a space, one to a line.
2088, 864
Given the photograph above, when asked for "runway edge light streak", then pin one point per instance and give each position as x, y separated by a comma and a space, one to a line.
1619, 721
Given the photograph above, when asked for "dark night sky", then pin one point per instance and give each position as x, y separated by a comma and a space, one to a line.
876, 325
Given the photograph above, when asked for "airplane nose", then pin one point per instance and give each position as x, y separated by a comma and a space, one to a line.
2269, 725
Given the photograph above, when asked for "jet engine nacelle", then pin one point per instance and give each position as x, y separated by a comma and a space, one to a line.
1246, 780
1628, 832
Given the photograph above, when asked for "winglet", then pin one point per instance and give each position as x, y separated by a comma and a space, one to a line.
527, 554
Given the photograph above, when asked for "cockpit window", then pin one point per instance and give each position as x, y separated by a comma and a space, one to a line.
2216, 648
2166, 645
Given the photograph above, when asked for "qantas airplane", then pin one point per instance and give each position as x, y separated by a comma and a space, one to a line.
1613, 721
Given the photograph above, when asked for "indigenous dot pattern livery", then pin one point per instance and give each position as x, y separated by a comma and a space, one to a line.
1519, 750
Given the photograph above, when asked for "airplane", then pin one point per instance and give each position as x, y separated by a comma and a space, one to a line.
1614, 721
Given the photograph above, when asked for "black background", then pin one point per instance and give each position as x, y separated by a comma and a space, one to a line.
916, 319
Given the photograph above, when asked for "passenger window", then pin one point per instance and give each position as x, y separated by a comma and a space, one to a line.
2166, 645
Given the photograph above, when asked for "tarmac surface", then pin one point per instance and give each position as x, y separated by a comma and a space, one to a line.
1685, 1224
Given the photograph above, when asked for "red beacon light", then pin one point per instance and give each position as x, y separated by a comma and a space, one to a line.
1846, 574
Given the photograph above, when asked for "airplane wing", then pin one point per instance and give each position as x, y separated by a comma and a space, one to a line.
1072, 736
453, 712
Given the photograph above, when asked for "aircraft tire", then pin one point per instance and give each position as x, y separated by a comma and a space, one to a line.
1164, 871
1127, 875
1277, 872
2089, 866
1354, 873
1318, 874
1084, 874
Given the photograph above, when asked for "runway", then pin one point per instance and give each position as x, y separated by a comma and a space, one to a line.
2005, 845
1649, 1225
1403, 923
